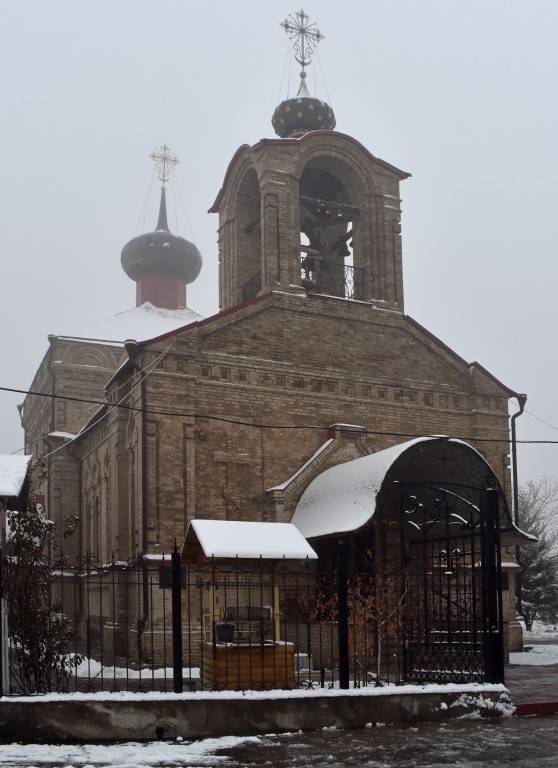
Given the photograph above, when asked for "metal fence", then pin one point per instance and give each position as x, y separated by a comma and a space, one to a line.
154, 625
237, 626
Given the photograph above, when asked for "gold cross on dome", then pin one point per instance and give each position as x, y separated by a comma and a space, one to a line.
305, 36
164, 162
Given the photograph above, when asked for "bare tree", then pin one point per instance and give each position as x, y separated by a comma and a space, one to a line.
39, 634
538, 515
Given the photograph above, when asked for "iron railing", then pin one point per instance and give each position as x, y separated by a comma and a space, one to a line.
252, 287
332, 278
320, 276
262, 626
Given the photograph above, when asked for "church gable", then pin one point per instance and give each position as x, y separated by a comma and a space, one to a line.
345, 442
320, 336
256, 389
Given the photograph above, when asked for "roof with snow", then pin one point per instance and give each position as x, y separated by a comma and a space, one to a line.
232, 539
13, 471
344, 498
140, 323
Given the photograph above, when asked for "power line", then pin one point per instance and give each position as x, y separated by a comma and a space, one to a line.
257, 425
538, 418
145, 373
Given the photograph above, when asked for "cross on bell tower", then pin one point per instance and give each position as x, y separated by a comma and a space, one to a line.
305, 37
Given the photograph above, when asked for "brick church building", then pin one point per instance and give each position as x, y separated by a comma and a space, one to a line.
310, 364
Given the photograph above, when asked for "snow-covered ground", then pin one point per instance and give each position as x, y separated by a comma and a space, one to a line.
130, 755
541, 632
537, 651
521, 741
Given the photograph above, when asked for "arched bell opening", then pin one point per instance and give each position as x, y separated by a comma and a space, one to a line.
329, 223
248, 277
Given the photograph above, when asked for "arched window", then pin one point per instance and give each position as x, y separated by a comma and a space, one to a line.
328, 218
248, 237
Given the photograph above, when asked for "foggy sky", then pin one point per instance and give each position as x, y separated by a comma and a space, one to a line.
461, 95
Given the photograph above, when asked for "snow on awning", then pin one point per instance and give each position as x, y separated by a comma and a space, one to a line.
232, 539
343, 497
13, 471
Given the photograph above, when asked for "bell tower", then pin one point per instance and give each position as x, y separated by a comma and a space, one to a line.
311, 211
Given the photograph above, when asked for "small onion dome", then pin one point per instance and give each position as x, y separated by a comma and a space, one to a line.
161, 252
300, 115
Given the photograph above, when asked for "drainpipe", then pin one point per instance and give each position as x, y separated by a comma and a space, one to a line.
132, 349
521, 399
70, 448
53, 426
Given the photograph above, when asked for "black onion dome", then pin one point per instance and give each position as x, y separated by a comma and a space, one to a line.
161, 252
300, 115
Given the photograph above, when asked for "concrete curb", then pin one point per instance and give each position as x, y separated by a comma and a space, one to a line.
191, 716
536, 708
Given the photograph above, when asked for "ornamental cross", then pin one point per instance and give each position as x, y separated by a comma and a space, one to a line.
164, 162
305, 36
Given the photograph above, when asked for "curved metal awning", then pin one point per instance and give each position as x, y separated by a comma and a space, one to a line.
344, 498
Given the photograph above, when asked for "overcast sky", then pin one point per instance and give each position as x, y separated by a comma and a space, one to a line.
463, 95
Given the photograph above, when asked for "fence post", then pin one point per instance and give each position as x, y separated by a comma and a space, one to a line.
176, 620
342, 616
2, 656
493, 639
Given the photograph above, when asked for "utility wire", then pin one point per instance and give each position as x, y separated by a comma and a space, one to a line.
257, 425
323, 78
143, 214
538, 418
111, 406
177, 186
287, 58
117, 389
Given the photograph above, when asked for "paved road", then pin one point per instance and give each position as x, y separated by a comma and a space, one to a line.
512, 742
517, 742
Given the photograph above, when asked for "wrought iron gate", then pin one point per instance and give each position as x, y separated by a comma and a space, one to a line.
450, 548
